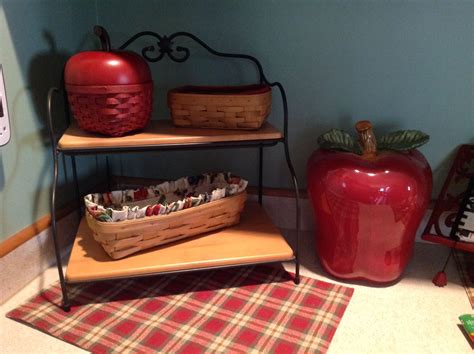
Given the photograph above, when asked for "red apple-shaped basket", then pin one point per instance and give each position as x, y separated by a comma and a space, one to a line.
109, 91
368, 200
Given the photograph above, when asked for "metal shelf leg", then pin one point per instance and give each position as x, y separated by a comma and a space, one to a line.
76, 186
107, 167
293, 177
66, 305
297, 193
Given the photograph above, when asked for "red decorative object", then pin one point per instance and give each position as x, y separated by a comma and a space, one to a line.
439, 225
109, 92
367, 208
440, 279
256, 310
439, 228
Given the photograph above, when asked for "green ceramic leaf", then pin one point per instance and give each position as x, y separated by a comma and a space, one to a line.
403, 140
336, 139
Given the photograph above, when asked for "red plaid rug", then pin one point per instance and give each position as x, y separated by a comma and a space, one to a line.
240, 310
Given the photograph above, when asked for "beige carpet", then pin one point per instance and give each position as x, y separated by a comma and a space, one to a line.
465, 265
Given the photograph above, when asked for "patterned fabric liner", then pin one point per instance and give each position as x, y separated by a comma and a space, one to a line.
163, 198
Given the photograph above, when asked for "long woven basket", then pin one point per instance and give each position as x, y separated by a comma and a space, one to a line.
222, 107
120, 239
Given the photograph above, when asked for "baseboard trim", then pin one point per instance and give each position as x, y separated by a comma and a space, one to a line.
32, 257
26, 234
29, 232
16, 240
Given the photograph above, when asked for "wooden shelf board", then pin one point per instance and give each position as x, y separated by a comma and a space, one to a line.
254, 240
446, 241
163, 133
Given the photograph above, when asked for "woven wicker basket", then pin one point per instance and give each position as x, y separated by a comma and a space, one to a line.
222, 107
120, 239
112, 110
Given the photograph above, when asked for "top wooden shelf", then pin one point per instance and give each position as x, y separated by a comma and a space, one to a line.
162, 134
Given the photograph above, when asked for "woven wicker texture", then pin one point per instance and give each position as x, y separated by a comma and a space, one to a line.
111, 110
130, 236
228, 109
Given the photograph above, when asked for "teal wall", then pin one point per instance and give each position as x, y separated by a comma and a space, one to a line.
36, 38
402, 64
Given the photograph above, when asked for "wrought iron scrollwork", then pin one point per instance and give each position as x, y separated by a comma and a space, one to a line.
165, 45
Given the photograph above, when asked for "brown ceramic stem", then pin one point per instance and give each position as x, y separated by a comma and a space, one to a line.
366, 139
100, 32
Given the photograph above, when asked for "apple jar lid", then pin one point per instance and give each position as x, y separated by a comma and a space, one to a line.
106, 67
367, 145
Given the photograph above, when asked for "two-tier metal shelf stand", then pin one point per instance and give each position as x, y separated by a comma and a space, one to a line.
254, 241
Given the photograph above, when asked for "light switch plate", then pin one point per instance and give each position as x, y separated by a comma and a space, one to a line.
4, 117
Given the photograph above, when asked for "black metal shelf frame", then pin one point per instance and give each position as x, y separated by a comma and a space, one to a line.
165, 47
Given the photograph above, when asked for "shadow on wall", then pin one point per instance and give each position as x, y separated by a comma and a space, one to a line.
45, 71
40, 63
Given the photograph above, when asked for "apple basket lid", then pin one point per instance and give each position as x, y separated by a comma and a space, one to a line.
106, 68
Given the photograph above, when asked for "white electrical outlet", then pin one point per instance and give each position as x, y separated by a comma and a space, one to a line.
4, 117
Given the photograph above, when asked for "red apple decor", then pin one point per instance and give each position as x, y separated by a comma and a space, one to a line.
109, 91
367, 203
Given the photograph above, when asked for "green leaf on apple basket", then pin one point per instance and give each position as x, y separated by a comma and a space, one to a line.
403, 140
336, 139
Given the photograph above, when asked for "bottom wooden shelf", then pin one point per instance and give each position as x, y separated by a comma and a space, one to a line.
254, 240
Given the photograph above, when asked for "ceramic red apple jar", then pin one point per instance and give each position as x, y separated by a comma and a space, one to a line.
109, 91
368, 198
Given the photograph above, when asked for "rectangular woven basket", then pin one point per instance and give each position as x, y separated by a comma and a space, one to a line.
221, 107
120, 239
